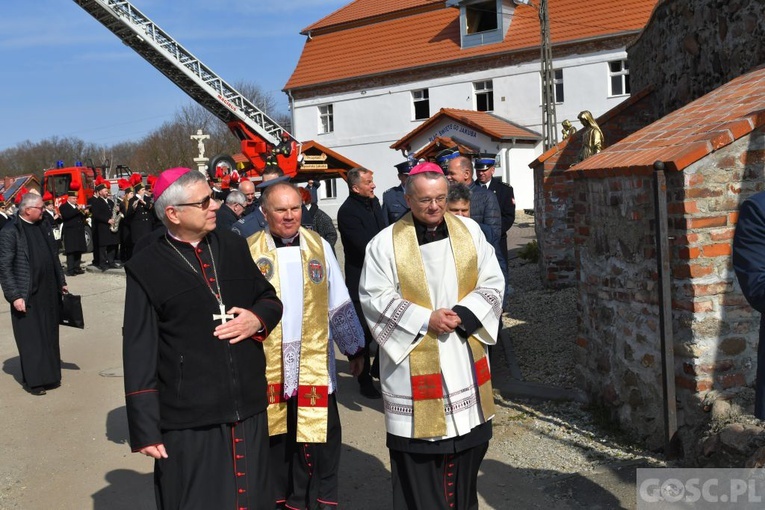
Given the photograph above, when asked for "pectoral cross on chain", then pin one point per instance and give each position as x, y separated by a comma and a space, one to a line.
223, 317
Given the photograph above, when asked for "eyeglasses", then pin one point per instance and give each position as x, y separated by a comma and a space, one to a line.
427, 201
202, 204
41, 207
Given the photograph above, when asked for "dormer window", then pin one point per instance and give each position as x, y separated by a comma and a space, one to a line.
483, 21
481, 17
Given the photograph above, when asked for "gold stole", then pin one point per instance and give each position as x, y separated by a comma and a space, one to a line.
428, 411
313, 379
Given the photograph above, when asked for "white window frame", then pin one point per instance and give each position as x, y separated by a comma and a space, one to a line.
330, 188
492, 15
558, 86
622, 74
473, 12
419, 97
484, 88
326, 119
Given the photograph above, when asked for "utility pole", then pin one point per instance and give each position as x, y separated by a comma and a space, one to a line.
549, 118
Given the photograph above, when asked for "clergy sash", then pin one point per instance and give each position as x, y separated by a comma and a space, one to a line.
428, 412
313, 379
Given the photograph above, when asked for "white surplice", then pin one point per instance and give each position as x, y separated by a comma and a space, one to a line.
398, 325
344, 326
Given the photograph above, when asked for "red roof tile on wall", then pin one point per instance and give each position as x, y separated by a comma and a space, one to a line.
690, 133
426, 38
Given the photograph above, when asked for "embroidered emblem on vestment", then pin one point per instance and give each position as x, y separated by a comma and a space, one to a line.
266, 267
315, 271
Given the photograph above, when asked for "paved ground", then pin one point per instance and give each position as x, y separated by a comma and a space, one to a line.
68, 450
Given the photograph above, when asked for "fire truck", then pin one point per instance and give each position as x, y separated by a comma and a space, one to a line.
263, 141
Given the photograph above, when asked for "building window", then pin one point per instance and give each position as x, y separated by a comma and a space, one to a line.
421, 103
484, 96
330, 188
326, 119
483, 22
558, 85
481, 17
619, 74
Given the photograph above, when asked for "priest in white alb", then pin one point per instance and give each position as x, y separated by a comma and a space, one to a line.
431, 290
303, 420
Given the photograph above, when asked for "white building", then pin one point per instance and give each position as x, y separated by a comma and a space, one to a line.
373, 72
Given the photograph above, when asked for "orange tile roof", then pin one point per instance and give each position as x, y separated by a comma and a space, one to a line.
360, 10
412, 38
690, 133
485, 122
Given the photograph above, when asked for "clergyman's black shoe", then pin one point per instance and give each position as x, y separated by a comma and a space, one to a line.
37, 390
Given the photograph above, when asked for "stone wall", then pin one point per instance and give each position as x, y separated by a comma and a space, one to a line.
715, 331
690, 48
619, 357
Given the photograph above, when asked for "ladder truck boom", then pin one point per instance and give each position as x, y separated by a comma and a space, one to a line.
263, 141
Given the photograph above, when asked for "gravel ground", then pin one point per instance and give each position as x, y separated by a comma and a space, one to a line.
542, 324
547, 439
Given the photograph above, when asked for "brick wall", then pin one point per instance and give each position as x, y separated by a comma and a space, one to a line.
715, 331
690, 48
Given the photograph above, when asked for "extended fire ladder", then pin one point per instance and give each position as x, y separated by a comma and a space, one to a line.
184, 69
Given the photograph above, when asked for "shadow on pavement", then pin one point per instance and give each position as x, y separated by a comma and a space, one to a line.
502, 486
126, 490
117, 426
12, 367
348, 390
364, 481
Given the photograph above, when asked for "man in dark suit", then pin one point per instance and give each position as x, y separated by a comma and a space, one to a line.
749, 264
231, 210
32, 282
139, 214
394, 204
484, 175
73, 232
102, 210
359, 219
4, 216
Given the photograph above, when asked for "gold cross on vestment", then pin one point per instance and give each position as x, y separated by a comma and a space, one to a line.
271, 394
314, 395
223, 317
426, 385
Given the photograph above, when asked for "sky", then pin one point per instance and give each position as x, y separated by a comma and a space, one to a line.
66, 75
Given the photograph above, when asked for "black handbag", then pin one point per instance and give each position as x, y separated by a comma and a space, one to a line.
71, 311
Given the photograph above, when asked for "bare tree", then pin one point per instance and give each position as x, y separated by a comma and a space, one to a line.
167, 146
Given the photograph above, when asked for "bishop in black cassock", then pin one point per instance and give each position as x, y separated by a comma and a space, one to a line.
196, 311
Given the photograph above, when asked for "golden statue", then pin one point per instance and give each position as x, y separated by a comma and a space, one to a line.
568, 129
592, 137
